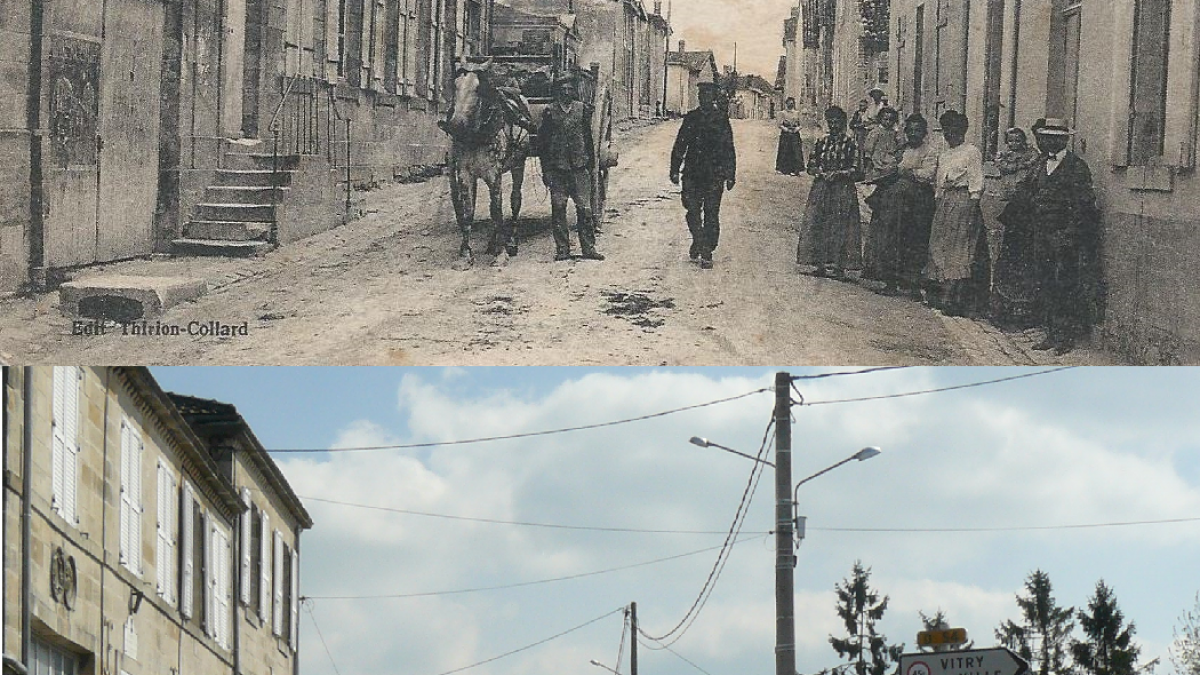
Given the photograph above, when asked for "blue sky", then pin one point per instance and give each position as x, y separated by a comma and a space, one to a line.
1075, 447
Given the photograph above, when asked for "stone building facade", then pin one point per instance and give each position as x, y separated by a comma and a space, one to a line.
141, 539
685, 71
123, 124
1127, 77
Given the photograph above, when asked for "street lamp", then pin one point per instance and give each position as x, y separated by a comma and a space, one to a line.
705, 443
596, 663
861, 455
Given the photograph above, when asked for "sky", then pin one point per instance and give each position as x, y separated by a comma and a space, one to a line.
1065, 448
755, 25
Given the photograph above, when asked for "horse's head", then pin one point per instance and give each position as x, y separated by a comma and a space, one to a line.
472, 82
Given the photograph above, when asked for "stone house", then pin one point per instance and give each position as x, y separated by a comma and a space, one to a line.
1126, 76
132, 127
685, 71
145, 552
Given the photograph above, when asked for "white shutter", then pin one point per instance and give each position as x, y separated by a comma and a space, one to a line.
187, 584
211, 569
264, 573
246, 524
58, 451
135, 511
72, 383
277, 606
126, 494
222, 562
295, 600
163, 512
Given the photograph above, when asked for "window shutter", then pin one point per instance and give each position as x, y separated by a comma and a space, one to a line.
135, 511
294, 642
246, 524
264, 586
277, 606
126, 493
187, 585
222, 577
73, 378
163, 513
211, 569
58, 451
1122, 79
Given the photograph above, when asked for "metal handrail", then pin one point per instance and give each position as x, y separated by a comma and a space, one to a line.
338, 114
273, 125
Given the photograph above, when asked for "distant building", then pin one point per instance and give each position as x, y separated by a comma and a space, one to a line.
685, 71
752, 98
162, 536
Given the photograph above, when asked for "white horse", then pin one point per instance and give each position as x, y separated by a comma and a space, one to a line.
487, 142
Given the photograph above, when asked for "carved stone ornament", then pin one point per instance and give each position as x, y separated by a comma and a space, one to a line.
64, 581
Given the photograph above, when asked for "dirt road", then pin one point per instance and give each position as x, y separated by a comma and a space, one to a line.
386, 289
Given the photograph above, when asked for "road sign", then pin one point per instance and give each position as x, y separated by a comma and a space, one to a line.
998, 661
951, 636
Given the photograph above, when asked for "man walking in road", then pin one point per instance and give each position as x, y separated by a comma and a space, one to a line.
704, 149
565, 148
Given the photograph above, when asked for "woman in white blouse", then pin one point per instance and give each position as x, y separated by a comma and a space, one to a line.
958, 256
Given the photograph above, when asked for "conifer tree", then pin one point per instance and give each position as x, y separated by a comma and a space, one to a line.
1108, 648
860, 608
1043, 637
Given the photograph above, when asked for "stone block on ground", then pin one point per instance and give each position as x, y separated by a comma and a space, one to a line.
124, 298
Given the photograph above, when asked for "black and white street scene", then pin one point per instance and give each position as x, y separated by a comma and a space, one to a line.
531, 182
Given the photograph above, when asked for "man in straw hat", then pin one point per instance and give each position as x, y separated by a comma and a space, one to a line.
1058, 198
565, 149
704, 152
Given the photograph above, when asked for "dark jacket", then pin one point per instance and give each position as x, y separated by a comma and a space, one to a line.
1062, 205
704, 147
565, 137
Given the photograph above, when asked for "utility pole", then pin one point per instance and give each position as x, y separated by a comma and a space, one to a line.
633, 643
785, 561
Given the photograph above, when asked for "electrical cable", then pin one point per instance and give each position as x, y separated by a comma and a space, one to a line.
313, 617
719, 565
528, 434
496, 521
535, 644
621, 647
681, 656
529, 583
864, 371
939, 389
1013, 528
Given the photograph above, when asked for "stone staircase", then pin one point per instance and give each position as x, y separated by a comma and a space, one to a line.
234, 218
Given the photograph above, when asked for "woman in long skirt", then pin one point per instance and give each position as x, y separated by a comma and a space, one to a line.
881, 159
790, 158
1013, 280
958, 255
830, 232
903, 212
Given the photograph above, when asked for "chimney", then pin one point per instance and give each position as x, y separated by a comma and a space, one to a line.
682, 44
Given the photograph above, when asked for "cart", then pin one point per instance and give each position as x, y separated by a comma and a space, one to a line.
534, 74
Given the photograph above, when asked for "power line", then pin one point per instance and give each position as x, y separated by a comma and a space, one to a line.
681, 656
581, 575
863, 371
735, 527
939, 389
528, 434
312, 616
1013, 528
535, 644
496, 521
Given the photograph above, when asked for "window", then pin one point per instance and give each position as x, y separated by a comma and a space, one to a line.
47, 659
168, 533
131, 497
1071, 34
993, 65
65, 449
1148, 86
289, 621
341, 38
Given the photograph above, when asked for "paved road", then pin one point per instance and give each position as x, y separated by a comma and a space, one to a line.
387, 289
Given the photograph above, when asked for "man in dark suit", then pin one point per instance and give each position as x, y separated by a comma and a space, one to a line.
704, 149
566, 151
1061, 204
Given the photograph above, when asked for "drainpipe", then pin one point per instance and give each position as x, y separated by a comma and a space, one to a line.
26, 508
33, 113
296, 647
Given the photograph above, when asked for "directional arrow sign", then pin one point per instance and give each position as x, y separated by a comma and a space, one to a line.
997, 661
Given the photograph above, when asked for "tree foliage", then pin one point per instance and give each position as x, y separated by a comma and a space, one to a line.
860, 608
1185, 649
1043, 636
1108, 648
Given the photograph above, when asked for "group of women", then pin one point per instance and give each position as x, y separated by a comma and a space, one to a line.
927, 237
